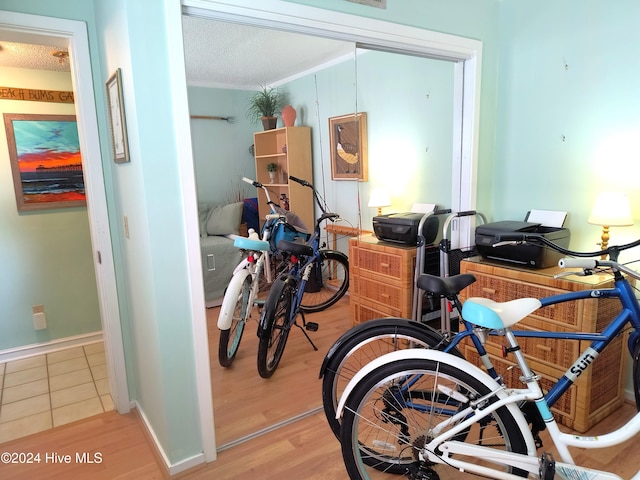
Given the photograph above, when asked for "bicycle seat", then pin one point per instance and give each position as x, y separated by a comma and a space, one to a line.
446, 287
299, 249
251, 244
498, 315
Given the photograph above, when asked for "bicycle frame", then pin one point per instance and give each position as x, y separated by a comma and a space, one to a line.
630, 314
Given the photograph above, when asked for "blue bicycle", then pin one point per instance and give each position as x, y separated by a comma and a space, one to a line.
317, 279
432, 415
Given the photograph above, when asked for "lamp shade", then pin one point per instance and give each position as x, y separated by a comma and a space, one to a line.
379, 198
611, 209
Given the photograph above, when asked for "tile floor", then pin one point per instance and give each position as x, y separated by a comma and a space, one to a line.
46, 391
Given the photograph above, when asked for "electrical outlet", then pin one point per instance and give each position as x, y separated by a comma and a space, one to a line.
39, 321
126, 226
37, 309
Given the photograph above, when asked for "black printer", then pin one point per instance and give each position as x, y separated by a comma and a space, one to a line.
532, 254
402, 228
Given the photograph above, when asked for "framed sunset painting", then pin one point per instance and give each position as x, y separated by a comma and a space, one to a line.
44, 151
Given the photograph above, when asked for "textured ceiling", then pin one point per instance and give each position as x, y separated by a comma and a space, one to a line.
217, 54
37, 57
238, 56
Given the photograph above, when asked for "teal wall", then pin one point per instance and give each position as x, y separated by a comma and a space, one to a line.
568, 118
46, 255
221, 149
476, 19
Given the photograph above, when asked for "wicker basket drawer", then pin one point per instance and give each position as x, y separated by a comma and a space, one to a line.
566, 315
385, 293
363, 310
553, 352
380, 263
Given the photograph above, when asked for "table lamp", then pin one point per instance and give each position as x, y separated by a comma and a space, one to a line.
611, 209
379, 198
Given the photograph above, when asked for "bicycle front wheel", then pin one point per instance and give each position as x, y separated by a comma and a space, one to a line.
329, 282
275, 324
230, 337
389, 417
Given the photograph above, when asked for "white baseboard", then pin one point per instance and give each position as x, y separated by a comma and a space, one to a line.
629, 396
175, 468
26, 351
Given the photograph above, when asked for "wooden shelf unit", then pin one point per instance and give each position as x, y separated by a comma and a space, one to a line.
290, 149
380, 279
599, 390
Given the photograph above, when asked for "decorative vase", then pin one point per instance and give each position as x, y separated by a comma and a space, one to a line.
272, 176
288, 116
269, 123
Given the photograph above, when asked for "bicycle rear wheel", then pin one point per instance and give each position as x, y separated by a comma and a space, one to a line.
364, 345
331, 282
389, 417
274, 321
230, 337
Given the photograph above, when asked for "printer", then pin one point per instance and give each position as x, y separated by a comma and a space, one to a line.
402, 228
531, 254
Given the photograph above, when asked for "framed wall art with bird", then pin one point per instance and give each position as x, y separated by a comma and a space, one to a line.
348, 140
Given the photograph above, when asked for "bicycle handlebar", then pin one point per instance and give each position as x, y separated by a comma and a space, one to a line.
304, 183
325, 215
515, 238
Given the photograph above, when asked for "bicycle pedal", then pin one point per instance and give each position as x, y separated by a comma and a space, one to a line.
311, 326
547, 467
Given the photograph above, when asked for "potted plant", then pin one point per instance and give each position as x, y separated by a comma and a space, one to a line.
272, 168
263, 106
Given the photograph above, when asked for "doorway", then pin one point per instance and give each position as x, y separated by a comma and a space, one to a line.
72, 35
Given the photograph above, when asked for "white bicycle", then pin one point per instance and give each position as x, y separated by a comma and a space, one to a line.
255, 272
431, 415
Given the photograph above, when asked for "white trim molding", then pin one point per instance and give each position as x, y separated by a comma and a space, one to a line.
26, 351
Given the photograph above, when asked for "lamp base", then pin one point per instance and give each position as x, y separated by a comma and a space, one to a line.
604, 240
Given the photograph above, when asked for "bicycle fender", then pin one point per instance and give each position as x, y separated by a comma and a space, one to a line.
271, 302
438, 356
338, 253
230, 297
369, 325
241, 266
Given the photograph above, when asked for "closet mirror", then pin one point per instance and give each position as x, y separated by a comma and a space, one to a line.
409, 106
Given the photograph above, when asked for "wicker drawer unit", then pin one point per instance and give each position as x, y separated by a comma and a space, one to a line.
599, 391
380, 279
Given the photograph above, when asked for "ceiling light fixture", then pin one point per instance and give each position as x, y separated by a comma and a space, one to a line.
61, 55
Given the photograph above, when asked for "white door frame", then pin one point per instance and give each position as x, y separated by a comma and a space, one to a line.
36, 29
466, 53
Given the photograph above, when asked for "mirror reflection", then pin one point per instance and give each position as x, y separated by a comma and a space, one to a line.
408, 102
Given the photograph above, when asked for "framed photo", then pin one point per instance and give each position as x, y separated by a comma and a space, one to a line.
46, 164
119, 141
348, 143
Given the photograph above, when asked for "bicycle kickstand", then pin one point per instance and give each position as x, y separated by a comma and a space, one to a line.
312, 326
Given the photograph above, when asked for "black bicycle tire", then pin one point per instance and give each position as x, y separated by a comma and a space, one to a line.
225, 356
394, 328
328, 255
276, 308
636, 374
351, 453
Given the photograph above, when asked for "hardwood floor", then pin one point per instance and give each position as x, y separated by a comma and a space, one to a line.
304, 449
244, 402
